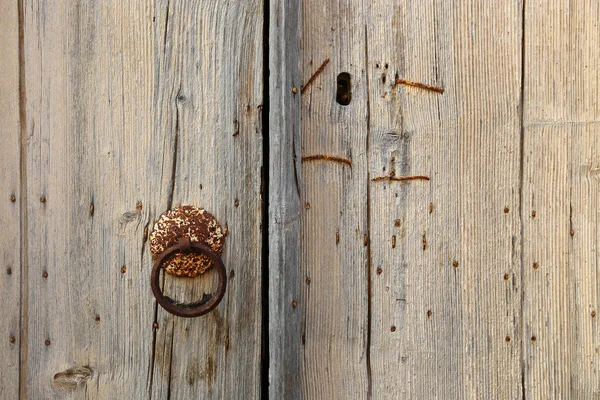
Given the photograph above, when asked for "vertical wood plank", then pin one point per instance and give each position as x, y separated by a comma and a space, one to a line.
560, 200
211, 99
130, 109
445, 252
333, 304
92, 155
10, 201
285, 276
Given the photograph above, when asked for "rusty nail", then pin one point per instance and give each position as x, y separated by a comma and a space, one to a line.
393, 328
379, 271
294, 304
13, 198
294, 90
45, 274
43, 199
9, 271
139, 205
123, 269
155, 325
47, 342
12, 339
308, 281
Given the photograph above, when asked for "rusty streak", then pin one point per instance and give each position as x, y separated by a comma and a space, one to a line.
417, 84
312, 78
401, 178
326, 157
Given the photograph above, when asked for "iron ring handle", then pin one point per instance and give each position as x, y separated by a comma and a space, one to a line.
196, 309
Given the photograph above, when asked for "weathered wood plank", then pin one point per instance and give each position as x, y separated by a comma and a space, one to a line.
92, 155
560, 200
10, 202
130, 109
333, 304
445, 320
210, 92
285, 277
440, 302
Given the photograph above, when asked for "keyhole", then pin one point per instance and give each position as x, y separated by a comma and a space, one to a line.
344, 94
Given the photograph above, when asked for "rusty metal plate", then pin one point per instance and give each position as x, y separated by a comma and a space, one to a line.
186, 221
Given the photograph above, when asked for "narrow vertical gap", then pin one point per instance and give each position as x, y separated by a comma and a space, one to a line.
171, 361
174, 168
24, 272
369, 261
521, 199
264, 359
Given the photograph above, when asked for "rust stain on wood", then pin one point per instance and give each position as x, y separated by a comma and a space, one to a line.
417, 84
401, 178
326, 157
312, 78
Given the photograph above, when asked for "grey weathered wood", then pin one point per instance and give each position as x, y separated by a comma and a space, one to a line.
456, 329
285, 278
320, 308
131, 107
560, 200
445, 323
10, 202
210, 95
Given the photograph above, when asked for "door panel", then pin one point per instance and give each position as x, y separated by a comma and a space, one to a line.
132, 109
445, 185
432, 198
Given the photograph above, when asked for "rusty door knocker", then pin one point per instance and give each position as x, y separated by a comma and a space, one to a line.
187, 241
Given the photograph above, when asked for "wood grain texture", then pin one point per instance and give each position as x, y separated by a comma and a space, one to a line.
131, 109
286, 280
561, 212
333, 304
211, 97
445, 322
10, 202
404, 292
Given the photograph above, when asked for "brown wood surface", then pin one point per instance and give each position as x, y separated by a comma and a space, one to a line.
132, 108
432, 234
11, 273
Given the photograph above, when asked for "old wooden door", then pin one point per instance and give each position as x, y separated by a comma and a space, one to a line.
409, 191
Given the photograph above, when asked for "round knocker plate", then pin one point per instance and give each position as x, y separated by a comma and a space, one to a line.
186, 241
